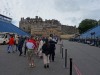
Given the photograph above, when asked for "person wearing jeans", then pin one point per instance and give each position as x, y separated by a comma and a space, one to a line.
10, 44
20, 45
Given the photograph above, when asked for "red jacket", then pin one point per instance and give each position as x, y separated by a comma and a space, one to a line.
11, 41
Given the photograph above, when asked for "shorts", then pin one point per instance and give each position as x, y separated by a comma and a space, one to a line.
30, 52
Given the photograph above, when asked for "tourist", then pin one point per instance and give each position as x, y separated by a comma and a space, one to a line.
30, 44
16, 42
25, 47
11, 44
40, 48
52, 43
20, 45
46, 53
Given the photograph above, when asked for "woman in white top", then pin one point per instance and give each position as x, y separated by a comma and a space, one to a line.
40, 48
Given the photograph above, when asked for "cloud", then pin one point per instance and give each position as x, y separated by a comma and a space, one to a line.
93, 14
66, 5
68, 12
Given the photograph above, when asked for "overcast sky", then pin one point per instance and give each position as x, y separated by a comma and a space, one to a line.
68, 12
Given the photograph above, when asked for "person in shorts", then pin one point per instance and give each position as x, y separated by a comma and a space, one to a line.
30, 48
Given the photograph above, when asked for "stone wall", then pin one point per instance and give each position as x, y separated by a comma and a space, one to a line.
36, 26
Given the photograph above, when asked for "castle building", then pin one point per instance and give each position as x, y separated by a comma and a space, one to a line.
36, 26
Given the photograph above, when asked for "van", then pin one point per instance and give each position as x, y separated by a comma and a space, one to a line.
4, 38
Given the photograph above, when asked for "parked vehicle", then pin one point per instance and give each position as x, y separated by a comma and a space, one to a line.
4, 37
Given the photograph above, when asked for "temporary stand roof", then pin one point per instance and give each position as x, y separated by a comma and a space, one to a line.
9, 27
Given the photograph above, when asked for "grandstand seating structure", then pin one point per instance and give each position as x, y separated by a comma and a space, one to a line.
91, 33
9, 27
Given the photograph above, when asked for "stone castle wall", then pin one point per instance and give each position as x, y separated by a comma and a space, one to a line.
36, 26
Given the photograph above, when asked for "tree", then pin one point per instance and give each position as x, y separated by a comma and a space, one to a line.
86, 25
99, 22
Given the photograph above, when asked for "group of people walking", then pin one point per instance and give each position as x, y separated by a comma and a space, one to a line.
43, 47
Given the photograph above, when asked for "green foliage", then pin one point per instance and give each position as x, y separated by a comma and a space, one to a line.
99, 22
86, 25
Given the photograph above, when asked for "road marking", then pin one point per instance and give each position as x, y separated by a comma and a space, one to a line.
77, 70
